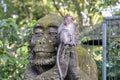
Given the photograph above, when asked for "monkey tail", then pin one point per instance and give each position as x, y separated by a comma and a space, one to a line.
58, 60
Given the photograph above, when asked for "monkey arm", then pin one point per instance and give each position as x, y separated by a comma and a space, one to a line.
60, 28
73, 70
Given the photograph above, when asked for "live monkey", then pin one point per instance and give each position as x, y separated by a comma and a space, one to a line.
66, 31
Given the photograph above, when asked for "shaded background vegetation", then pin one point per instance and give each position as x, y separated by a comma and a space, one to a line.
17, 18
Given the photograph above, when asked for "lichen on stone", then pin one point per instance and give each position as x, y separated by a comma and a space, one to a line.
86, 63
50, 20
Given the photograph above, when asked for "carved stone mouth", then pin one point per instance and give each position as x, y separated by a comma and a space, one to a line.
46, 50
45, 55
42, 61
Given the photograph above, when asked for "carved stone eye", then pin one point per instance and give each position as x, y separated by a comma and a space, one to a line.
53, 30
38, 31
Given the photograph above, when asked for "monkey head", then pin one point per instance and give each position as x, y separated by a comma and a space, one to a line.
42, 45
68, 19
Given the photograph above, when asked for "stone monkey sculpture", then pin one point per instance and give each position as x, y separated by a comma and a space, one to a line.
42, 55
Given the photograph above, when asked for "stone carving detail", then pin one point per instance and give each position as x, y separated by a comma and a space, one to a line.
76, 64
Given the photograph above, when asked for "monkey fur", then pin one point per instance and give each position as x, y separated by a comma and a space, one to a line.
67, 37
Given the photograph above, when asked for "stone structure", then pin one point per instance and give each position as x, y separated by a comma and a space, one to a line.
75, 62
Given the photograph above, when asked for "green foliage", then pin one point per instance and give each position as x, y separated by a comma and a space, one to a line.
96, 51
13, 66
113, 57
8, 30
84, 39
27, 10
117, 13
14, 33
13, 48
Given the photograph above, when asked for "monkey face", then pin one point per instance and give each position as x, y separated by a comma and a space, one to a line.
44, 40
68, 20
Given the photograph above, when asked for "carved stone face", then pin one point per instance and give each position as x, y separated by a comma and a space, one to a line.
44, 42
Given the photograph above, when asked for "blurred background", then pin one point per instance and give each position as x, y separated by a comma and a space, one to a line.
17, 18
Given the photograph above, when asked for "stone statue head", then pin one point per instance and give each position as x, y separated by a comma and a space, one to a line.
44, 41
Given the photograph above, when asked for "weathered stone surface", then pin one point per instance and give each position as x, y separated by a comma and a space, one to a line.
42, 51
86, 63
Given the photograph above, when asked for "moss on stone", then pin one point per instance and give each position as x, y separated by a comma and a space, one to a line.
50, 20
86, 63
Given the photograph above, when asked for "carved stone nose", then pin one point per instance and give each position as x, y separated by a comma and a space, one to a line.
43, 41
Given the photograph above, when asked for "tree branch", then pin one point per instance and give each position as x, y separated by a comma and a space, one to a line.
57, 7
